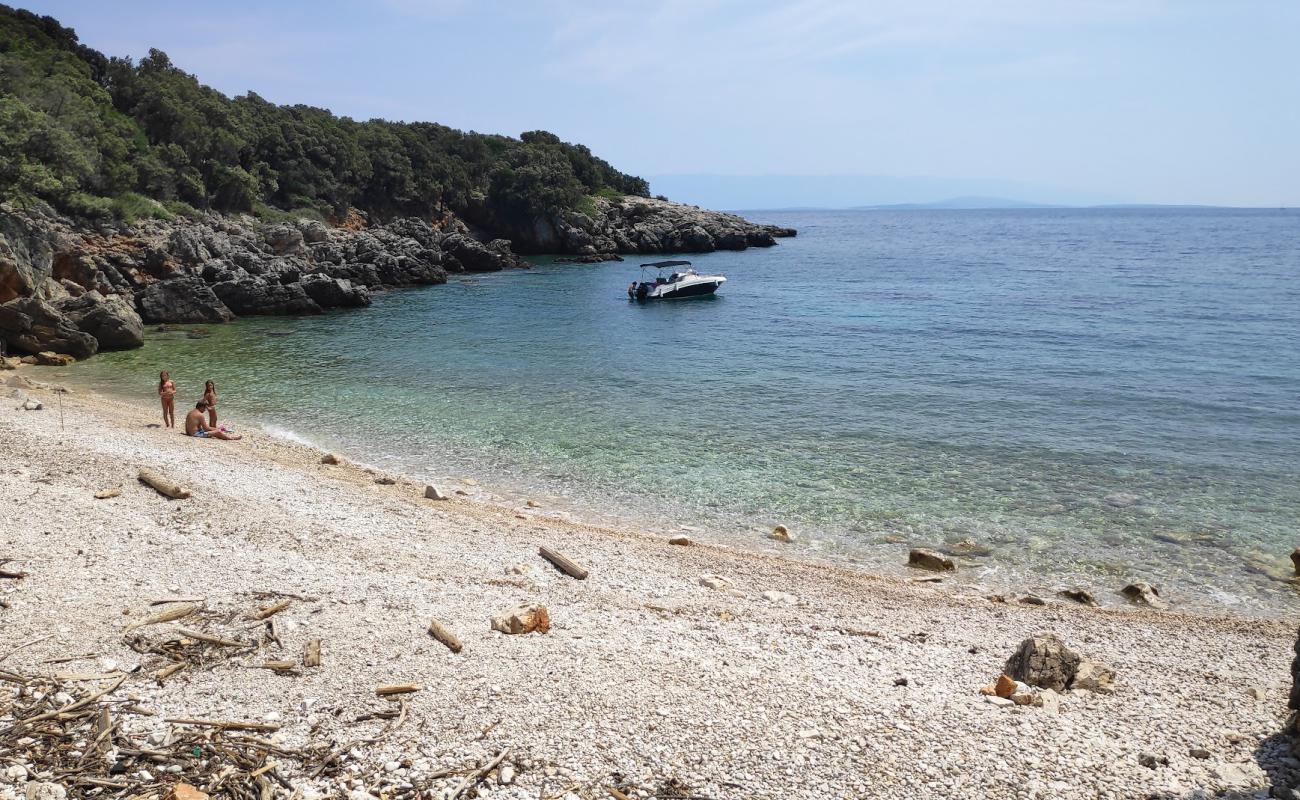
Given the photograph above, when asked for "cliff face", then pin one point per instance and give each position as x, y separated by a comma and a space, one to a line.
77, 288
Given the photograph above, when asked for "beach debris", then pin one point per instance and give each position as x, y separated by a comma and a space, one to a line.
269, 611
331, 459
562, 562
226, 724
105, 494
207, 638
1144, 594
478, 775
384, 480
684, 541
163, 486
710, 581
524, 619
923, 558
927, 579
440, 632
311, 653
1121, 500
1047, 662
780, 534
1031, 600
506, 775
282, 667
170, 614
433, 493
773, 596
396, 689
183, 791
1079, 595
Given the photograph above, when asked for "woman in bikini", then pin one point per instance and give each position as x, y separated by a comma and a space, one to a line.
167, 394
210, 397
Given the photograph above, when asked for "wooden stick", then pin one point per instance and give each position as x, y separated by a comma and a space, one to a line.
311, 654
164, 600
616, 794
479, 775
168, 671
438, 631
204, 637
281, 666
270, 611
169, 614
227, 725
562, 562
401, 688
163, 486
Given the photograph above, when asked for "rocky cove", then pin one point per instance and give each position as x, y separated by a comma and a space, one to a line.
71, 288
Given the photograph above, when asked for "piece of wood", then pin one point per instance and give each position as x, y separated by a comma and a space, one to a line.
311, 654
438, 631
479, 775
162, 601
169, 614
105, 494
227, 725
281, 666
270, 611
616, 794
168, 671
163, 486
401, 688
210, 639
562, 562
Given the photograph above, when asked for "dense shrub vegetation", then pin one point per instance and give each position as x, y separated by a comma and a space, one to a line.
107, 136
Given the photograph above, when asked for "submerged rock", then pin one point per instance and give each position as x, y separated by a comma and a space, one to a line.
1144, 594
1079, 595
780, 534
923, 558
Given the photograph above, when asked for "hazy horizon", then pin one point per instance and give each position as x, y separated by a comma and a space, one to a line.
1077, 103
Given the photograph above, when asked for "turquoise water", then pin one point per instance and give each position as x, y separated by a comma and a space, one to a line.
884, 379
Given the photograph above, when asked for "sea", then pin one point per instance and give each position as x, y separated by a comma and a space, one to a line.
1063, 397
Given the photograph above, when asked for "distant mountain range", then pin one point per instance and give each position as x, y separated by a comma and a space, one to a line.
973, 201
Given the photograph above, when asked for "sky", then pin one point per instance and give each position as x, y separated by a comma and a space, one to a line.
1160, 101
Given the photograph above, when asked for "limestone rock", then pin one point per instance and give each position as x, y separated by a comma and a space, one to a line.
773, 596
1045, 661
711, 581
433, 493
330, 458
47, 359
524, 619
253, 296
1079, 595
683, 541
112, 320
1094, 677
922, 558
1005, 686
31, 325
1001, 702
1144, 594
1238, 776
780, 534
183, 300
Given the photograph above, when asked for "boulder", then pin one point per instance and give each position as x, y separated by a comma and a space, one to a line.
111, 320
30, 325
1079, 595
330, 292
474, 256
711, 581
1044, 661
183, 300
524, 619
47, 359
921, 558
682, 541
1094, 677
1295, 560
1144, 594
780, 534
433, 493
254, 296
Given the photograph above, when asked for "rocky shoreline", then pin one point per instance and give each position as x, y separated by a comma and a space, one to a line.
671, 666
71, 289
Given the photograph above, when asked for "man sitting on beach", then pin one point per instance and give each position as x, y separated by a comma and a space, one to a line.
196, 424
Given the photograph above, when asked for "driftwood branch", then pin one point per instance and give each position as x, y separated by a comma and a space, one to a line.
226, 725
479, 775
562, 562
438, 631
401, 688
163, 486
311, 654
271, 610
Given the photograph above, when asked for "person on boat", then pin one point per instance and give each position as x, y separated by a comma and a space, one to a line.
210, 401
197, 426
167, 394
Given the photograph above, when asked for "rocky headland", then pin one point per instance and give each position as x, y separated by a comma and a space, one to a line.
69, 288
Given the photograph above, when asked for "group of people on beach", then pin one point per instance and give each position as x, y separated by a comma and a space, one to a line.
201, 421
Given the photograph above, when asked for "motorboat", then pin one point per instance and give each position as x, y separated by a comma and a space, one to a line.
682, 282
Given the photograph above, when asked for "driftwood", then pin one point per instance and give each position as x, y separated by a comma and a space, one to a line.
105, 494
440, 632
163, 486
168, 671
208, 638
311, 654
270, 611
401, 688
562, 562
281, 667
171, 614
479, 775
226, 725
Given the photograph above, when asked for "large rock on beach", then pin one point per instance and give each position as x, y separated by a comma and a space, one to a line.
112, 320
922, 558
1044, 661
31, 325
1144, 594
184, 300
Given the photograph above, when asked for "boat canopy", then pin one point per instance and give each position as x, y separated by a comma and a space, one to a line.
664, 264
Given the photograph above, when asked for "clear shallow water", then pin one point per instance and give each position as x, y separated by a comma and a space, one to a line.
923, 376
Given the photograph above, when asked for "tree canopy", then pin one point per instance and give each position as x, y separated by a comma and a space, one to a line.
77, 127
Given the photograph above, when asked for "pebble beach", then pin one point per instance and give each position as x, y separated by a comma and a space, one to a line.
669, 671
